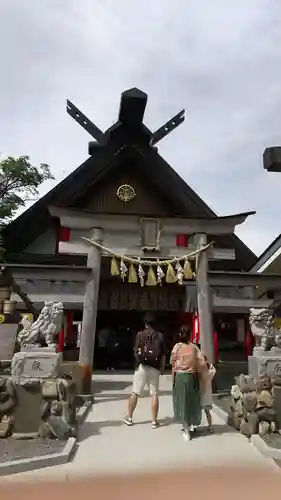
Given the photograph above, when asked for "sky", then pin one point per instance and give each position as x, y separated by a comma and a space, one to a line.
219, 59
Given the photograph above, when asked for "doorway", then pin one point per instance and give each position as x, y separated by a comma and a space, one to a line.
116, 332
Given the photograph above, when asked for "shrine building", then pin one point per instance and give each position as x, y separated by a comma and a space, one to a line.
155, 246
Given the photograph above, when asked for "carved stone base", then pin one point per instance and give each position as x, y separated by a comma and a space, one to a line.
38, 363
265, 363
36, 348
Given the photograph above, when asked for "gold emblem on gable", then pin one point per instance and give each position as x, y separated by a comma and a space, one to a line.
126, 193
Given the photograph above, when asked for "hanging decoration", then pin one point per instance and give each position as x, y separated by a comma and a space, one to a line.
151, 278
141, 274
170, 274
123, 270
160, 273
174, 273
187, 271
114, 270
132, 276
179, 274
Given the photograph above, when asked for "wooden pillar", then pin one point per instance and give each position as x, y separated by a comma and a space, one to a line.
87, 342
204, 301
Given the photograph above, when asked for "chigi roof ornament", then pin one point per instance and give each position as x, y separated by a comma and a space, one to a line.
131, 112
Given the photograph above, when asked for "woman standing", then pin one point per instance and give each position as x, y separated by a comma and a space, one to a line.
187, 361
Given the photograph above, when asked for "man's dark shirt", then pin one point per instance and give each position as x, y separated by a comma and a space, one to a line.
142, 337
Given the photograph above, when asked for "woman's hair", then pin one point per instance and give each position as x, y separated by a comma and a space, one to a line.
184, 334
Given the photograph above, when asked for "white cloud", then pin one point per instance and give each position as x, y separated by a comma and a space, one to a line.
220, 60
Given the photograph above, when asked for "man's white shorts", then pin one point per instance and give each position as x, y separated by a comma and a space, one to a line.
146, 376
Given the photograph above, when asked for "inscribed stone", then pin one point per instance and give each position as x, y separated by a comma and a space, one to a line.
27, 414
36, 364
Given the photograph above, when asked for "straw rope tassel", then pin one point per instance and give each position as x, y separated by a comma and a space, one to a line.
187, 271
151, 278
170, 275
132, 277
114, 268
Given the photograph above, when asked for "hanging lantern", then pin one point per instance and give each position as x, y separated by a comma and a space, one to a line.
151, 278
123, 270
187, 271
160, 274
170, 275
179, 274
132, 277
114, 271
141, 274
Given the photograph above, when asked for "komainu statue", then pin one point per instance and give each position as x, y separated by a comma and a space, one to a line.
267, 335
45, 328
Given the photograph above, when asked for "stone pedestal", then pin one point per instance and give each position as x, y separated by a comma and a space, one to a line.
36, 348
36, 364
27, 414
265, 363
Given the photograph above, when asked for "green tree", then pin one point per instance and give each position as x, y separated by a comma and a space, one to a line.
19, 181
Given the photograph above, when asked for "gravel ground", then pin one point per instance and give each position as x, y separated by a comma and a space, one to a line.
16, 449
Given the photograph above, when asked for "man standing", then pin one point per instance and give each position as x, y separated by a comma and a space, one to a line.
150, 354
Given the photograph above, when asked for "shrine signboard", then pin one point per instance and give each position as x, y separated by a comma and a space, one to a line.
131, 297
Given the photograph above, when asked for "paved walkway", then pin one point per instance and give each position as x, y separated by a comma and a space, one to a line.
107, 445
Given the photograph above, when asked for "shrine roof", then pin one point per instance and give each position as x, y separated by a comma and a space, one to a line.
270, 257
128, 136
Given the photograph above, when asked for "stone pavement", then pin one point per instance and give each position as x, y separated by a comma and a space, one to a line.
106, 445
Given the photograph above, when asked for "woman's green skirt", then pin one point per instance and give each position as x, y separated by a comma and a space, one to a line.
186, 399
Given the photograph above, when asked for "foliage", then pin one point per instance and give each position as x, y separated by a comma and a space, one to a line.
19, 181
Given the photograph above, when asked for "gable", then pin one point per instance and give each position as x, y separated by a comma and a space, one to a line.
102, 197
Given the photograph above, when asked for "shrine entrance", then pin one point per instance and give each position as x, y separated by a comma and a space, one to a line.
121, 312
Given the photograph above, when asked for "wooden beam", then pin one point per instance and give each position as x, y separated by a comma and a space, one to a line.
238, 303
132, 106
49, 273
17, 289
78, 247
80, 118
244, 279
66, 298
170, 125
172, 226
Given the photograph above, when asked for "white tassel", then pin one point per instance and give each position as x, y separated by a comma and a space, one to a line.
141, 274
123, 270
179, 273
160, 274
